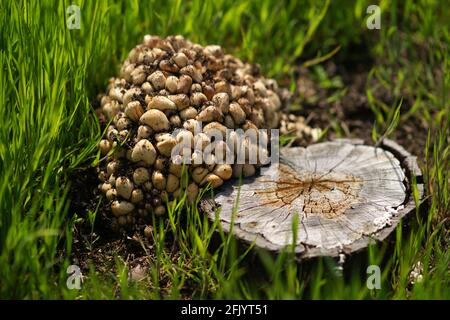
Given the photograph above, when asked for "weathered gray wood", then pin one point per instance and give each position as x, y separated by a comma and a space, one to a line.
343, 193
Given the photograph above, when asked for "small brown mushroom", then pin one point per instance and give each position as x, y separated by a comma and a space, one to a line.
157, 79
162, 103
180, 59
140, 175
124, 187
105, 146
213, 179
120, 208
192, 192
144, 151
158, 180
155, 119
224, 171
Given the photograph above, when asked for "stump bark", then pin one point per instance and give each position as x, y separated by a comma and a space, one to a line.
342, 195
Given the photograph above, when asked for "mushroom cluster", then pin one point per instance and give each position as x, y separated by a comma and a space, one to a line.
297, 129
173, 84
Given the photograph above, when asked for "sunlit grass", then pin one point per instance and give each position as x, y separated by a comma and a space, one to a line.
50, 75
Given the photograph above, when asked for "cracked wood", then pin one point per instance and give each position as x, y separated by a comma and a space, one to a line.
343, 193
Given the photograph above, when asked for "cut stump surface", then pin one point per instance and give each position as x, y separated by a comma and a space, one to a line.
342, 194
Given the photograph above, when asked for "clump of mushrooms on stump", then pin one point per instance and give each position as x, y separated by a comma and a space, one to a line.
168, 84
343, 194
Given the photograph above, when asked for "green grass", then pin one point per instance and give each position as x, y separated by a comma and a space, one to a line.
50, 75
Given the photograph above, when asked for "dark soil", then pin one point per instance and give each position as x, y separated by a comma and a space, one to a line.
352, 111
96, 243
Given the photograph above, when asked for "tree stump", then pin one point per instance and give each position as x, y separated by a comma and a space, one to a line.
343, 194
